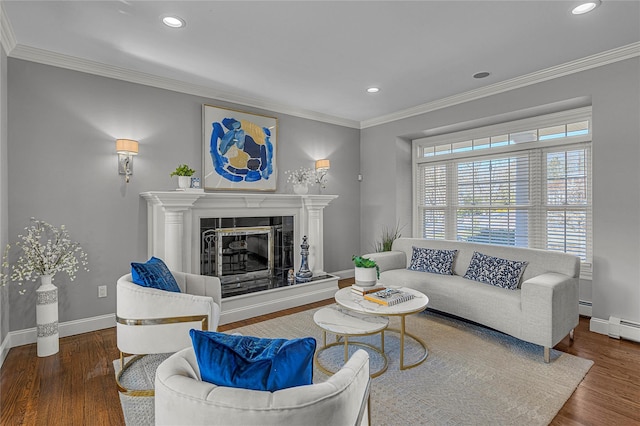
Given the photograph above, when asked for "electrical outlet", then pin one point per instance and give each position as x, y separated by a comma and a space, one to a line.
102, 291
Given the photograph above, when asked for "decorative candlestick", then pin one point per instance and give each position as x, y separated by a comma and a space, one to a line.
304, 274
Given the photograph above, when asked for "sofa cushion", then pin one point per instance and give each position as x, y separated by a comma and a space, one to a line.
155, 274
252, 362
496, 271
432, 260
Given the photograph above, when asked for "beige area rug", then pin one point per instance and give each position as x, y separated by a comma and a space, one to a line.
473, 375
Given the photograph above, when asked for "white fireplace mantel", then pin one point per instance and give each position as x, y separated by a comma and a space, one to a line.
173, 221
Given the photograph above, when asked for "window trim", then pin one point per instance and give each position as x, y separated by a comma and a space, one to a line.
533, 123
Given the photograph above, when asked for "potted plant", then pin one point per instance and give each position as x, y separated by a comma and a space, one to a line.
184, 173
387, 238
367, 271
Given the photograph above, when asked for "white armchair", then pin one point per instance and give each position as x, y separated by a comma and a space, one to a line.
183, 398
151, 321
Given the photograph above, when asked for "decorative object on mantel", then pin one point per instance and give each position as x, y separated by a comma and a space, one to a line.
367, 271
301, 179
184, 173
322, 167
126, 149
304, 274
238, 150
45, 251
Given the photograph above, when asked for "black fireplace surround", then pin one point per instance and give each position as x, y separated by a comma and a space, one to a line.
248, 254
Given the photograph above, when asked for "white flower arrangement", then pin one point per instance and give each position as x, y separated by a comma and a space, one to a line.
302, 176
44, 250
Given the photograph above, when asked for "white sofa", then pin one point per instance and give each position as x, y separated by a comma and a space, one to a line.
543, 310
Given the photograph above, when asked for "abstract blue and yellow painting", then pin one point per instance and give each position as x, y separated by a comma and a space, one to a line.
239, 150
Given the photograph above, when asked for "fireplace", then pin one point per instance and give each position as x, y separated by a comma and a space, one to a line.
250, 241
248, 254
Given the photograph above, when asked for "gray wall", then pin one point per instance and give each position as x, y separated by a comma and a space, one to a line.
614, 93
62, 127
4, 300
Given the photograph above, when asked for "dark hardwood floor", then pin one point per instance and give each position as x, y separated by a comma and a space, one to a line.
77, 387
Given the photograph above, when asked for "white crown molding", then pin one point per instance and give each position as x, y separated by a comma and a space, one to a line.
92, 67
7, 38
604, 58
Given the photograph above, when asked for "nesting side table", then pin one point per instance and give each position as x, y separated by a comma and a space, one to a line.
345, 323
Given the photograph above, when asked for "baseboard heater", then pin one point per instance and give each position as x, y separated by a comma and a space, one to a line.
622, 329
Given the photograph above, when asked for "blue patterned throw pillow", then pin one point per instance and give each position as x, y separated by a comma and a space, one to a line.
432, 260
252, 362
495, 271
155, 274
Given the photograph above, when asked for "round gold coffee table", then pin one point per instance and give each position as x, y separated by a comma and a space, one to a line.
347, 299
346, 323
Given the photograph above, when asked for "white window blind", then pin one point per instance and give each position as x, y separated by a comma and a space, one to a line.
568, 201
534, 194
493, 200
433, 199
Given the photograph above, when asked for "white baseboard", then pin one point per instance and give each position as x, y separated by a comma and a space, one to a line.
585, 308
4, 349
616, 328
67, 328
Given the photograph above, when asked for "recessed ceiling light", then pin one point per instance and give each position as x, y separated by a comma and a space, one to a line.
585, 7
373, 90
482, 74
173, 21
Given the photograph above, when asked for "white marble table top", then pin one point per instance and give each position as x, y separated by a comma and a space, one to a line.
338, 320
345, 297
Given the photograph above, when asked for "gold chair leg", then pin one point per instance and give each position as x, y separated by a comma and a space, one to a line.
123, 367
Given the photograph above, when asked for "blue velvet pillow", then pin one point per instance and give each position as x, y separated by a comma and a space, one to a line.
155, 274
495, 271
432, 260
252, 362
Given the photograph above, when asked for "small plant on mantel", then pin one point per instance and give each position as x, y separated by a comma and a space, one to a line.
182, 170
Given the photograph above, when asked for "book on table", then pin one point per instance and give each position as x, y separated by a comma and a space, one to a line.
365, 290
389, 297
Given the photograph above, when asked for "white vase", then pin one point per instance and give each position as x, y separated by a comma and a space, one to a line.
47, 317
300, 188
184, 182
366, 277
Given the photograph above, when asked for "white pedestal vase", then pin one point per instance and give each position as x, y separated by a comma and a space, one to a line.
300, 188
366, 277
47, 317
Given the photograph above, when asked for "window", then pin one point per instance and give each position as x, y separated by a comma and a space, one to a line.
524, 184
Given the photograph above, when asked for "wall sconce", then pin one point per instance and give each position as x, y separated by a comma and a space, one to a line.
126, 149
322, 167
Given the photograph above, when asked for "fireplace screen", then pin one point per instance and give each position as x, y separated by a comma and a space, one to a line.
244, 251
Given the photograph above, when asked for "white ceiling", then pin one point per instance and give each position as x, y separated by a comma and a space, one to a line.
318, 57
